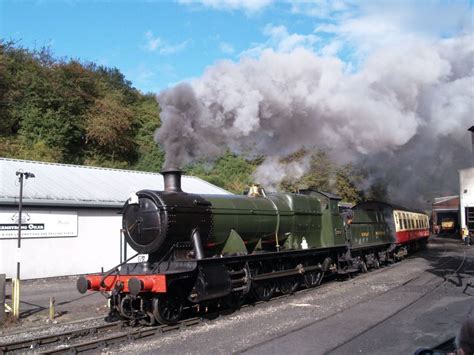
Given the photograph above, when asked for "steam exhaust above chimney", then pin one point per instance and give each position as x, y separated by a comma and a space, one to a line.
172, 179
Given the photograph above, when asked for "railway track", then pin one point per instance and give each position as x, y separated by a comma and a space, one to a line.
444, 262
96, 337
41, 341
101, 336
455, 268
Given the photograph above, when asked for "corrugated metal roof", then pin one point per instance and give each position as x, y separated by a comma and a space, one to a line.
74, 185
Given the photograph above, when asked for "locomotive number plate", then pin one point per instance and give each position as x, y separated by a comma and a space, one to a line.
141, 258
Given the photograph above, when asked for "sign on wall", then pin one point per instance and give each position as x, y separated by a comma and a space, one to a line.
38, 224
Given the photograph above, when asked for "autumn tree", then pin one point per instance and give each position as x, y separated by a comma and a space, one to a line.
69, 111
109, 129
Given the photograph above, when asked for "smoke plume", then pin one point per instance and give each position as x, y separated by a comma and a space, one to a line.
403, 113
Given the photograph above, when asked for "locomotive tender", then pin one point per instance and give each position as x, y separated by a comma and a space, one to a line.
209, 250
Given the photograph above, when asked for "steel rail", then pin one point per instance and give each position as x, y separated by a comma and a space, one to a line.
136, 334
126, 336
33, 343
414, 302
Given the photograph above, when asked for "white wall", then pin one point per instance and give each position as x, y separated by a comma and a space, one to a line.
466, 193
97, 245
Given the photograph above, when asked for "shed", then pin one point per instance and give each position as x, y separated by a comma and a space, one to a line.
443, 209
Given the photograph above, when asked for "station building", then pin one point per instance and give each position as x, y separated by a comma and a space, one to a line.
71, 221
466, 194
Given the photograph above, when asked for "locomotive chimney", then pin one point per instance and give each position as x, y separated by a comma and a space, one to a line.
172, 179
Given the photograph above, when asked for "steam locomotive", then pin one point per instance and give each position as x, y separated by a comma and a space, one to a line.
208, 251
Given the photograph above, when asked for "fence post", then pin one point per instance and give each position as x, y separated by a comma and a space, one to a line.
52, 312
16, 298
3, 279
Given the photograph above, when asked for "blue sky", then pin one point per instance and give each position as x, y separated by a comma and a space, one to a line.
159, 43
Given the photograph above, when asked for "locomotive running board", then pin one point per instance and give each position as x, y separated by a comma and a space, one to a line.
298, 270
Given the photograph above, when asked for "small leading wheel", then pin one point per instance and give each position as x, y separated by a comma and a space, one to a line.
264, 291
313, 278
363, 266
288, 285
168, 308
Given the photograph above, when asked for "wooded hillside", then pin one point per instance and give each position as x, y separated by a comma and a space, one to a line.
69, 111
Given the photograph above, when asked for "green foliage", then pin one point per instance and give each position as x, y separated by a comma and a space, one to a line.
72, 112
347, 184
324, 175
378, 191
231, 172
67, 111
150, 156
151, 160
320, 172
318, 175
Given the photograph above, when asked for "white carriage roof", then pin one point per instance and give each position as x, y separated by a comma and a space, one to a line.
83, 186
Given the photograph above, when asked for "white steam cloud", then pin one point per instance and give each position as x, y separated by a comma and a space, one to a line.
406, 107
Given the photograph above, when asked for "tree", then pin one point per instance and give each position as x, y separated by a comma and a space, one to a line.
80, 111
230, 171
109, 129
347, 182
320, 172
378, 191
151, 156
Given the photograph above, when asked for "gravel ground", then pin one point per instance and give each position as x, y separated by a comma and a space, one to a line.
418, 302
335, 317
32, 333
70, 307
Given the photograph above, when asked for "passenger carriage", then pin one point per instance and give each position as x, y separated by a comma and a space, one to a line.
409, 229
